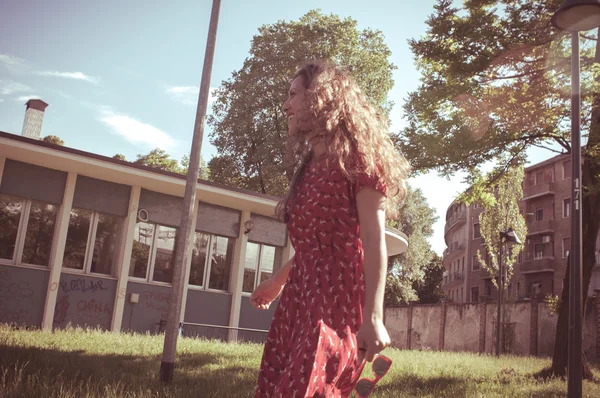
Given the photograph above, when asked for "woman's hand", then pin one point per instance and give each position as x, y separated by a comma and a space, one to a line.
265, 293
372, 337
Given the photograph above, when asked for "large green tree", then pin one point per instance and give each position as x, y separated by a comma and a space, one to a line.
496, 81
429, 289
407, 269
160, 159
249, 128
500, 201
53, 139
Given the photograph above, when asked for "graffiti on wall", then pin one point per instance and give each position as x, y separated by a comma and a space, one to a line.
82, 285
79, 303
16, 297
156, 301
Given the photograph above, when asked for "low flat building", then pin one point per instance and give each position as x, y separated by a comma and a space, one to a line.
87, 240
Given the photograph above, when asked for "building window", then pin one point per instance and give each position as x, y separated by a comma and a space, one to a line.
211, 261
475, 294
258, 265
476, 231
538, 251
539, 214
518, 290
476, 264
539, 177
566, 247
27, 229
566, 167
536, 288
566, 207
153, 252
461, 295
92, 242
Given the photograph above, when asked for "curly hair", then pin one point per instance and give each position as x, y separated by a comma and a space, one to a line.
355, 135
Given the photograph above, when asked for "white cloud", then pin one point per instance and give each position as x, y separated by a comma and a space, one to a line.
1, 100
8, 87
11, 60
135, 131
69, 75
25, 98
188, 95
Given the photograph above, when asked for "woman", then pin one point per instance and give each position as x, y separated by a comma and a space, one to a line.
329, 319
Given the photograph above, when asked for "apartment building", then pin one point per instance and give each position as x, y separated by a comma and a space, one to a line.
541, 267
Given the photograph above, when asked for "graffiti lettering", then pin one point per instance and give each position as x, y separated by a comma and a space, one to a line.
61, 309
13, 290
81, 285
20, 316
156, 296
93, 306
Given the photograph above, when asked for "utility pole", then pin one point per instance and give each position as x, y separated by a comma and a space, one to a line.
167, 365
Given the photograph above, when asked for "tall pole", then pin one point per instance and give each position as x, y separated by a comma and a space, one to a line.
167, 364
575, 367
500, 289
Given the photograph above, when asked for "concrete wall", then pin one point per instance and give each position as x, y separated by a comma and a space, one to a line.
22, 295
153, 305
462, 333
210, 308
397, 318
84, 301
421, 336
546, 331
461, 328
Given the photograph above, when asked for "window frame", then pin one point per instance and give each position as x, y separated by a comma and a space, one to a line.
259, 271
540, 174
564, 169
208, 266
535, 252
475, 289
91, 242
474, 229
17, 257
568, 248
563, 208
537, 210
149, 278
475, 261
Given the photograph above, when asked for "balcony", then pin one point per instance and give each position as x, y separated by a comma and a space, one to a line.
458, 219
545, 264
454, 246
536, 191
540, 227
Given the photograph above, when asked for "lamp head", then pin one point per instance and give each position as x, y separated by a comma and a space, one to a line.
577, 15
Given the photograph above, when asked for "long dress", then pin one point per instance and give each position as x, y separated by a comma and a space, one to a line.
311, 348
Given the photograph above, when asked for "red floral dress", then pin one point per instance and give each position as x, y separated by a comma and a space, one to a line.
311, 346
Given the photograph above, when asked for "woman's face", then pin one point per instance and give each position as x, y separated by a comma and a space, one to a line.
295, 108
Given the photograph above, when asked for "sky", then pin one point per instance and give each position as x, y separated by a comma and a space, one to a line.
123, 76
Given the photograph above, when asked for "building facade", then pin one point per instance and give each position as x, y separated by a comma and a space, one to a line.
541, 267
87, 240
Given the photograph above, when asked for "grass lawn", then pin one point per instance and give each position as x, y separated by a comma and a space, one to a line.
76, 363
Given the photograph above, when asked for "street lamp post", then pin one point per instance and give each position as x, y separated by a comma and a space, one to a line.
172, 329
575, 16
510, 238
